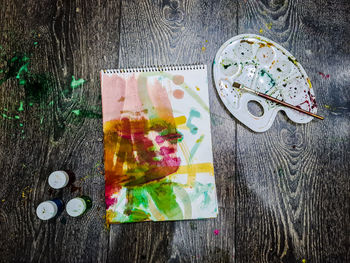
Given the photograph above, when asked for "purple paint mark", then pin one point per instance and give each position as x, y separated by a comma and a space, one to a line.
324, 76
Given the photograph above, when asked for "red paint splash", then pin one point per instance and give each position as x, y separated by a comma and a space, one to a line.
324, 76
216, 232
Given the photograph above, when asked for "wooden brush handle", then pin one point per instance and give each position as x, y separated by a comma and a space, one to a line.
288, 105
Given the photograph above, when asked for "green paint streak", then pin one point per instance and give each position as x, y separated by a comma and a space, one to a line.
17, 117
15, 66
35, 43
163, 196
200, 190
41, 120
272, 81
89, 114
76, 82
195, 147
21, 124
137, 197
20, 108
193, 114
157, 158
51, 103
137, 215
24, 68
4, 115
152, 148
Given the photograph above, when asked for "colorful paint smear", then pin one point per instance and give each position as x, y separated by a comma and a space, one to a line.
150, 173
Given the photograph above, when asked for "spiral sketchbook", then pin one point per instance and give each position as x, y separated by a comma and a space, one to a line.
157, 144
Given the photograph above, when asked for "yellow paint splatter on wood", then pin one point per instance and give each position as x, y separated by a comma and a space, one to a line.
203, 49
261, 30
309, 82
269, 26
3, 200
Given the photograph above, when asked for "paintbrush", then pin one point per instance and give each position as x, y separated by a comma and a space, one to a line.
239, 86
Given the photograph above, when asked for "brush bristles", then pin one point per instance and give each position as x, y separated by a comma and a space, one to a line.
236, 85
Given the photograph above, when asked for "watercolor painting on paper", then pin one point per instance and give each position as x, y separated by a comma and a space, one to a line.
157, 145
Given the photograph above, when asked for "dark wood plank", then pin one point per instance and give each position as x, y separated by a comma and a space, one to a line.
292, 187
283, 195
175, 32
62, 39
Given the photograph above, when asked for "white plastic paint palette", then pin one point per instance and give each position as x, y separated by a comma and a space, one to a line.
263, 65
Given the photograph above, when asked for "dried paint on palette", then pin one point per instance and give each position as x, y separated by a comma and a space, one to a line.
158, 160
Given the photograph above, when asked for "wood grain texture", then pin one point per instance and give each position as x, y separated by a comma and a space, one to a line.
283, 195
292, 191
72, 40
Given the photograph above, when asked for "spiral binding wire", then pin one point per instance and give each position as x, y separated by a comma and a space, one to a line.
155, 68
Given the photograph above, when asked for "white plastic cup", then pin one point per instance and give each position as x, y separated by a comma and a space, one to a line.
47, 210
58, 179
76, 207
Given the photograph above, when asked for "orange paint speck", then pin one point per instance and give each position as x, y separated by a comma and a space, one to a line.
179, 94
178, 79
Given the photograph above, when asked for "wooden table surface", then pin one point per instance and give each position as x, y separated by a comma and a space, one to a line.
283, 194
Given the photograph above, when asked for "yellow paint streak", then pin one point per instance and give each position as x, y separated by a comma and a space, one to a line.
198, 167
180, 120
261, 30
110, 215
203, 49
182, 127
269, 26
154, 211
189, 167
309, 82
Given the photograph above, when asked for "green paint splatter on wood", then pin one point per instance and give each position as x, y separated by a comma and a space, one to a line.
17, 117
89, 114
76, 82
16, 66
21, 106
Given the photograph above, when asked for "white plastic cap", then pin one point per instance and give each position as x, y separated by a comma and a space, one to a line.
76, 207
46, 210
58, 179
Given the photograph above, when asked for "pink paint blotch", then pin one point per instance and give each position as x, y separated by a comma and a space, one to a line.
216, 232
178, 79
179, 94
